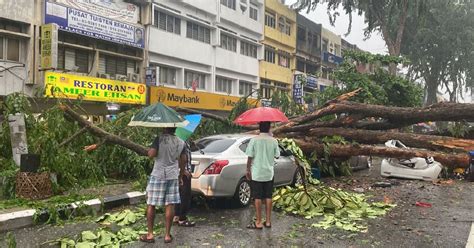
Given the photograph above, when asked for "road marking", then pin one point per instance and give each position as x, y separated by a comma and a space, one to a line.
470, 239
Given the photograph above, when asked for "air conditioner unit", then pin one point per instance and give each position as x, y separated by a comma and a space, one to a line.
133, 77
120, 77
104, 75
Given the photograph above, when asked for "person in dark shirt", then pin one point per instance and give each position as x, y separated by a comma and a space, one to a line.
181, 210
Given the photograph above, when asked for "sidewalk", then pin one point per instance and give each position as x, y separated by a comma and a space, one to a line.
115, 195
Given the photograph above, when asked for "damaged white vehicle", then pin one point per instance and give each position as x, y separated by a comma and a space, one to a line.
414, 168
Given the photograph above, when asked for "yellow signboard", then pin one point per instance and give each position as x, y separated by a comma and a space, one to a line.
49, 46
70, 86
190, 99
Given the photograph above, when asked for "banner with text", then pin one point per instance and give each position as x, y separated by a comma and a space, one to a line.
49, 46
195, 100
114, 9
70, 86
95, 26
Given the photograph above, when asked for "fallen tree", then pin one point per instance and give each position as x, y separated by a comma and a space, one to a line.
379, 137
346, 151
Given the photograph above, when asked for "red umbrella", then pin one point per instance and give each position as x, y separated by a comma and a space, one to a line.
260, 114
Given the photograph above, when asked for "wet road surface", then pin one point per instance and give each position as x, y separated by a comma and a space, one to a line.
446, 224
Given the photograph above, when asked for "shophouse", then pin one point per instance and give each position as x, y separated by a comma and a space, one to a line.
204, 54
279, 60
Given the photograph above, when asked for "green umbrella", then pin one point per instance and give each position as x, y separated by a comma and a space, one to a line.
158, 115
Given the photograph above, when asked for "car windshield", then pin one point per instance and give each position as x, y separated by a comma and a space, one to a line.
212, 145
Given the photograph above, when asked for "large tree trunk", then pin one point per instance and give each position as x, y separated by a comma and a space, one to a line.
345, 151
393, 117
378, 137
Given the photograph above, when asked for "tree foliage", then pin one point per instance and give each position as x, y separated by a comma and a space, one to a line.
440, 47
379, 87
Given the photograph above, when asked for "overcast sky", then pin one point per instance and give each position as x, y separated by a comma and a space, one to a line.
375, 44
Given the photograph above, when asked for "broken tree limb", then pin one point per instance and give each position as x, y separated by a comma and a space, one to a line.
308, 117
346, 151
81, 131
99, 132
379, 137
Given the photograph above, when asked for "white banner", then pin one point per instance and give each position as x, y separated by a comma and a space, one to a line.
114, 9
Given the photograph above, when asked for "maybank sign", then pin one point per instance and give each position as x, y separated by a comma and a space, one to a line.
190, 99
70, 86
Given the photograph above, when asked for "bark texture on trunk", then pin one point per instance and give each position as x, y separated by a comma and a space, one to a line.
446, 159
379, 137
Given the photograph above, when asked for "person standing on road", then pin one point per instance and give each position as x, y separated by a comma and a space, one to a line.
163, 186
181, 210
262, 151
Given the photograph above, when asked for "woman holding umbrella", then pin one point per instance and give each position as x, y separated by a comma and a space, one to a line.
169, 157
262, 151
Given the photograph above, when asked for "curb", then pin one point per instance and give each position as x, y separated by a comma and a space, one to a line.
24, 218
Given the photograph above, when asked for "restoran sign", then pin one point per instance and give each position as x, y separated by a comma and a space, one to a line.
95, 26
63, 85
190, 99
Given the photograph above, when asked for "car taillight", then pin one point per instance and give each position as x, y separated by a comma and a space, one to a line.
216, 167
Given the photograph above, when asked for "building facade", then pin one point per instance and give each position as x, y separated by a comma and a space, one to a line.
89, 50
279, 60
205, 47
19, 24
331, 56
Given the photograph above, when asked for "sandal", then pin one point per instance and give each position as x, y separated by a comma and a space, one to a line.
144, 238
186, 223
253, 225
266, 226
169, 240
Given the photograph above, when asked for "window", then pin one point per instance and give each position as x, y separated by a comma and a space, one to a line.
284, 60
190, 77
223, 85
269, 55
253, 12
243, 146
69, 58
284, 26
167, 22
198, 32
270, 19
266, 89
229, 3
167, 75
281, 87
228, 42
301, 33
325, 45
212, 145
245, 88
111, 65
1, 47
300, 65
248, 49
10, 49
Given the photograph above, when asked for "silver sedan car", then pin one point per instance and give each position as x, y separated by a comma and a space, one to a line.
219, 166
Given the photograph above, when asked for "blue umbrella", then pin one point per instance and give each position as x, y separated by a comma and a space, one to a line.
185, 132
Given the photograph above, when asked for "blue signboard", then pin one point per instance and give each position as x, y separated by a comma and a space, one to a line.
331, 58
84, 23
298, 91
312, 82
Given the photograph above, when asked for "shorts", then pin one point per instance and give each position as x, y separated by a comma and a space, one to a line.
262, 190
162, 192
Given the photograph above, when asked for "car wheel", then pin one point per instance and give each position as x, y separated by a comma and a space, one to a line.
298, 178
243, 193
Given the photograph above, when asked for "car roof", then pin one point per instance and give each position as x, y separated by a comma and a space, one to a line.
238, 136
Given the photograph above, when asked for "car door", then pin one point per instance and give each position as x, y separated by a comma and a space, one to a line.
284, 168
